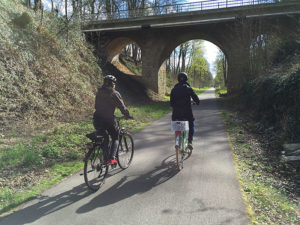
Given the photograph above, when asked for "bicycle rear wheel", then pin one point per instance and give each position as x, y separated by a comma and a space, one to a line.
179, 158
189, 152
94, 171
179, 154
125, 151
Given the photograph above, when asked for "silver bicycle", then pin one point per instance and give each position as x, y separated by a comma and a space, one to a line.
182, 151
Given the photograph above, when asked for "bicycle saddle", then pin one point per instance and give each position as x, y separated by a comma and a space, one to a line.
95, 136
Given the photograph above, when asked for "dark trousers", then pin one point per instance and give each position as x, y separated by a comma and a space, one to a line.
108, 128
191, 130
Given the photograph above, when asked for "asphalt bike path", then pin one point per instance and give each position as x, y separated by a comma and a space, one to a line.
152, 191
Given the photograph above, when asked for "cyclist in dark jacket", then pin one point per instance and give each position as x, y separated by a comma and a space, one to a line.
107, 100
180, 101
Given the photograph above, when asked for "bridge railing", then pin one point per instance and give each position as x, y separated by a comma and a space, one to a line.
177, 8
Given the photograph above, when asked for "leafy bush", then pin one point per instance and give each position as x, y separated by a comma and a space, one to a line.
23, 20
51, 151
26, 155
274, 100
32, 158
285, 50
11, 156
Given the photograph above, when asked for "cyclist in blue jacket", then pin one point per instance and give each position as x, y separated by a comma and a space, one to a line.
180, 101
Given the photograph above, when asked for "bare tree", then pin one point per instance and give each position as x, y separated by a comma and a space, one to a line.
37, 4
52, 6
66, 9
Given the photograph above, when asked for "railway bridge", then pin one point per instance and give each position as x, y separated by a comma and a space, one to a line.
232, 25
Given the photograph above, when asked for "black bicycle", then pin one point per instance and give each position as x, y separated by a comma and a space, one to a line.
95, 164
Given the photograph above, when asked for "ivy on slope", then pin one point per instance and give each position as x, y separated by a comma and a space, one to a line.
47, 71
274, 101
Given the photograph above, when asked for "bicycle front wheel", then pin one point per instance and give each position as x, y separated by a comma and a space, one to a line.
94, 172
125, 151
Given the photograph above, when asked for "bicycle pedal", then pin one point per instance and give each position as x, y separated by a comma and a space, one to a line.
113, 166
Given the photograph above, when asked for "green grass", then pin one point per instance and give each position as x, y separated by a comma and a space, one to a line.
64, 147
220, 91
10, 200
267, 197
200, 90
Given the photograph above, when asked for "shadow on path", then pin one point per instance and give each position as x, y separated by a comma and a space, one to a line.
121, 190
46, 205
127, 187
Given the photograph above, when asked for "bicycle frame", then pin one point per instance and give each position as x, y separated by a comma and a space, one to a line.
121, 130
181, 133
181, 140
94, 146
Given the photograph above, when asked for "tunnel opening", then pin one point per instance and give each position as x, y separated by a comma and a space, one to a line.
126, 56
204, 62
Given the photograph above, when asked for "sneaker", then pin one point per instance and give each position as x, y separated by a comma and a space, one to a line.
190, 145
113, 161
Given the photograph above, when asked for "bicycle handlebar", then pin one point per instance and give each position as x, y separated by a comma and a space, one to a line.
122, 117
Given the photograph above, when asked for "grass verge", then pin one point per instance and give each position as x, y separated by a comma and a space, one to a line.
58, 172
34, 165
198, 91
270, 194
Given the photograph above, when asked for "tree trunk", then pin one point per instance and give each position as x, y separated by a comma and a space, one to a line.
134, 53
108, 6
224, 70
67, 23
37, 5
179, 57
42, 13
74, 6
66, 9
52, 6
80, 9
183, 62
92, 7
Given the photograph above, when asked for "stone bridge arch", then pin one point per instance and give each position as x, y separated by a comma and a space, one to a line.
162, 42
113, 50
233, 37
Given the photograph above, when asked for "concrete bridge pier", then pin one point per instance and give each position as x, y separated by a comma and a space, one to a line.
154, 76
153, 67
236, 47
238, 59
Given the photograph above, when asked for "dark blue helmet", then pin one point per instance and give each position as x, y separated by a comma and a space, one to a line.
182, 77
110, 79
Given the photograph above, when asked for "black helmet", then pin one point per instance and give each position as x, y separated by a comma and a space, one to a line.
182, 77
110, 79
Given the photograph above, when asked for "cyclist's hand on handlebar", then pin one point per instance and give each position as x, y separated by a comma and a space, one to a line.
129, 117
